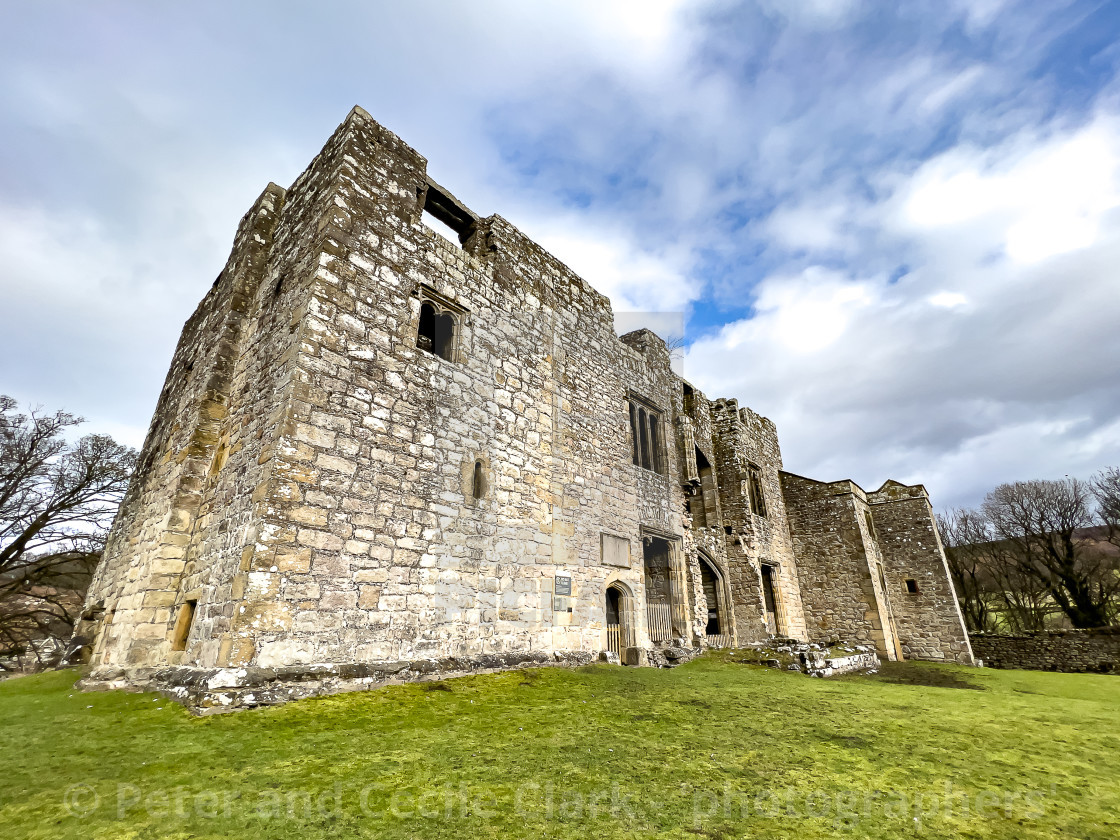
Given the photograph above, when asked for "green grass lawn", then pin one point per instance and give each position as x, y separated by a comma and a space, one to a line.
711, 749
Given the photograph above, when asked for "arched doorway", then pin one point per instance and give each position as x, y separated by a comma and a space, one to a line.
619, 606
718, 625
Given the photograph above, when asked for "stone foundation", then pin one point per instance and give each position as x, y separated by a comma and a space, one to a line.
213, 690
1069, 651
811, 659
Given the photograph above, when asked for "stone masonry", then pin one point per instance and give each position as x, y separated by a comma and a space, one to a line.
1071, 651
376, 445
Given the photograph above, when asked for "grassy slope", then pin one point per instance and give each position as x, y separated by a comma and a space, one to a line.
681, 739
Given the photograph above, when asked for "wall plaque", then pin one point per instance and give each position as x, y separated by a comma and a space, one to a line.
614, 551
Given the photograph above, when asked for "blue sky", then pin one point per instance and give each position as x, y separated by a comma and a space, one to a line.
892, 227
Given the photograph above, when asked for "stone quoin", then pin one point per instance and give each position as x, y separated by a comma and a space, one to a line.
376, 447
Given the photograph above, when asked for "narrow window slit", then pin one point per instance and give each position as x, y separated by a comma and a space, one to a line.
183, 625
478, 489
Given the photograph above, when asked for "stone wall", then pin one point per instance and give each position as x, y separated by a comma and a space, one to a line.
924, 604
1071, 651
744, 440
838, 562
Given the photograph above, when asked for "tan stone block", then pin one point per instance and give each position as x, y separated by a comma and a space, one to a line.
308, 515
234, 652
315, 436
150, 631
263, 616
322, 540
159, 599
333, 462
368, 597
168, 566
292, 560
371, 575
338, 600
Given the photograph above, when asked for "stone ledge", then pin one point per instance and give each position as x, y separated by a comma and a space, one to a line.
213, 690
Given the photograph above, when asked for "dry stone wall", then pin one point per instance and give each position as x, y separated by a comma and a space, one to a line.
1071, 651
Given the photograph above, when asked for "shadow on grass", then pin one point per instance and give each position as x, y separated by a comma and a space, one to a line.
913, 673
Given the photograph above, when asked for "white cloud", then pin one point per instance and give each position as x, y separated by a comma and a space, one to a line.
816, 14
1039, 197
995, 357
633, 278
948, 300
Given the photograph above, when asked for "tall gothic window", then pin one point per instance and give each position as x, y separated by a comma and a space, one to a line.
754, 484
645, 432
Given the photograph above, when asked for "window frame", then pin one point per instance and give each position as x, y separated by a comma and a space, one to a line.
756, 495
441, 307
647, 447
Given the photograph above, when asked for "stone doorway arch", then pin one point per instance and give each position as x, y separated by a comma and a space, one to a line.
717, 629
618, 602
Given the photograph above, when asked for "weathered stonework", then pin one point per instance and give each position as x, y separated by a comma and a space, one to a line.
375, 445
1070, 651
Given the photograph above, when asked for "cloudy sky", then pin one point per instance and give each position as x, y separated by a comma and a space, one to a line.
894, 228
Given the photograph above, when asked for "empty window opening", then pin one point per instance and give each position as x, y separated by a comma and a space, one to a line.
654, 442
183, 625
704, 507
688, 397
442, 228
711, 586
645, 431
770, 602
446, 215
727, 530
870, 525
436, 333
911, 586
478, 481
636, 453
754, 484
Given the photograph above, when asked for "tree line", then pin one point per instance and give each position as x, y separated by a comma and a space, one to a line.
1038, 554
57, 501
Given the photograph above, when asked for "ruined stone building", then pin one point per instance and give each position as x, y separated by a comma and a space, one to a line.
376, 446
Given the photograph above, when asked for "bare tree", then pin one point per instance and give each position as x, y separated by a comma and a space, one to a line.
993, 593
1106, 489
965, 533
57, 501
1044, 525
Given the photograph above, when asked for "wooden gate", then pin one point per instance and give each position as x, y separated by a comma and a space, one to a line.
660, 622
614, 638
